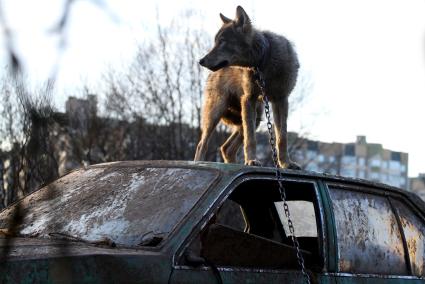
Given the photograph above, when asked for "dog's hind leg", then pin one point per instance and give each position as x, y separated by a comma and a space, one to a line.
211, 115
230, 148
280, 115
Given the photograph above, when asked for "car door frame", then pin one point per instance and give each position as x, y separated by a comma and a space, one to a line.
374, 189
324, 229
411, 206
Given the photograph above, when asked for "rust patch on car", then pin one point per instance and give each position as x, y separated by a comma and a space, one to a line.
368, 237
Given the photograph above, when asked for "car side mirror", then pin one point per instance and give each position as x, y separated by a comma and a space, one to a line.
223, 245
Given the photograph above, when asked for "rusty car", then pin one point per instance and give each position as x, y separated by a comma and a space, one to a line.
202, 222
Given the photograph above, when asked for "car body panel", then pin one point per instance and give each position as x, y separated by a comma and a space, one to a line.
56, 261
159, 264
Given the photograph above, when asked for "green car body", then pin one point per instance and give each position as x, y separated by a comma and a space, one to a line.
159, 222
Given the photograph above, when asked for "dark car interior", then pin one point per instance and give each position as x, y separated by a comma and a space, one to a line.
247, 230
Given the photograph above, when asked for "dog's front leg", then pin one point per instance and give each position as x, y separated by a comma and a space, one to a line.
280, 115
248, 106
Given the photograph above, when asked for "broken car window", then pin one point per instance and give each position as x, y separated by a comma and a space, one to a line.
302, 215
247, 231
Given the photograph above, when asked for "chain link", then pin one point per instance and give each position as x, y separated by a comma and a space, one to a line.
259, 79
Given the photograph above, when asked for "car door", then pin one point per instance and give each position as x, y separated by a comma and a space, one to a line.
371, 246
245, 237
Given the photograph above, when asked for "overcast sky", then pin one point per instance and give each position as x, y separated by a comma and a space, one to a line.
366, 58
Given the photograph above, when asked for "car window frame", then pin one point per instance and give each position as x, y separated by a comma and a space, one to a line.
167, 244
225, 193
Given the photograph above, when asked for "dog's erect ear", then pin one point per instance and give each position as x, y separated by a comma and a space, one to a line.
242, 20
225, 19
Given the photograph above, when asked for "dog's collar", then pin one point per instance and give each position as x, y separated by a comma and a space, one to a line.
265, 53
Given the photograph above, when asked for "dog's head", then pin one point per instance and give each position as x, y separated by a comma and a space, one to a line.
232, 43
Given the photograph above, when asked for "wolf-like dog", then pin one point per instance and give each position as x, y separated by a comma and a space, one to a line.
232, 95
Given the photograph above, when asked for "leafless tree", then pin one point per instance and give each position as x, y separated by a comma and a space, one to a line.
27, 133
161, 94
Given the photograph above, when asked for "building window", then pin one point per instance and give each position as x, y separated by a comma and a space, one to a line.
394, 180
361, 161
312, 167
375, 176
396, 156
350, 150
299, 155
348, 172
349, 160
395, 166
384, 178
384, 165
311, 155
313, 146
375, 162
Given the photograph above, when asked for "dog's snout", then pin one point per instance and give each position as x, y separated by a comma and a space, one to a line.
202, 61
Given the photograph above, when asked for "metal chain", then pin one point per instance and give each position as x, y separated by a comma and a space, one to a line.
259, 79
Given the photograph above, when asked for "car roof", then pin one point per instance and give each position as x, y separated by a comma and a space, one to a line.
238, 169
230, 170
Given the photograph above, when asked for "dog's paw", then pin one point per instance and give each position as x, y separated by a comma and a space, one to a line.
290, 165
253, 163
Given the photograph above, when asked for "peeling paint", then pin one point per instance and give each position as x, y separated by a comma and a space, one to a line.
368, 237
125, 205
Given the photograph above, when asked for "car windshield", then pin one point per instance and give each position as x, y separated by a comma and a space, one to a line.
127, 205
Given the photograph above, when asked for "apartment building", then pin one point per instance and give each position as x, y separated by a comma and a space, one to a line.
359, 159
417, 185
